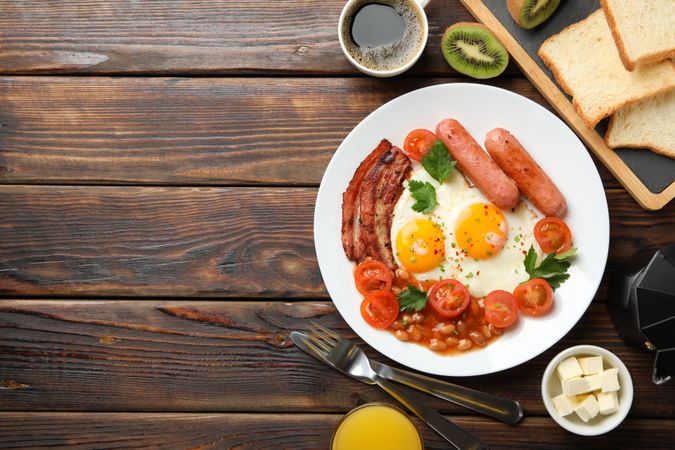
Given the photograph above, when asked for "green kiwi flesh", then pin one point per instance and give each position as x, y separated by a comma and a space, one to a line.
472, 49
534, 12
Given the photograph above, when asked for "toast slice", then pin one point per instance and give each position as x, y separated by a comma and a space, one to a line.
644, 31
649, 123
586, 64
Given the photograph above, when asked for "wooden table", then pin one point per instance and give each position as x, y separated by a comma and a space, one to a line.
159, 162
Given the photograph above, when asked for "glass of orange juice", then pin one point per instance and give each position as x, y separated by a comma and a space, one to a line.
376, 426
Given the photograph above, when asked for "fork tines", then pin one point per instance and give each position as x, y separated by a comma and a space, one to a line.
323, 337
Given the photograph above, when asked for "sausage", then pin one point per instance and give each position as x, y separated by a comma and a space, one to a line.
477, 165
530, 178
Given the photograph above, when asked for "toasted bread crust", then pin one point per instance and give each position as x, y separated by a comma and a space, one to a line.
550, 63
646, 145
656, 57
554, 69
591, 120
611, 21
629, 63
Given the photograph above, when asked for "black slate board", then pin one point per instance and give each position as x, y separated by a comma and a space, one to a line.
657, 172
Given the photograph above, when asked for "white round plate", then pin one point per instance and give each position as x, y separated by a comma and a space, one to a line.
551, 143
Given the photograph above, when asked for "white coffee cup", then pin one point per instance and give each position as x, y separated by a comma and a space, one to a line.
419, 5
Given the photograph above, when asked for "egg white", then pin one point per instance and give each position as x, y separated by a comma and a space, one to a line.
504, 271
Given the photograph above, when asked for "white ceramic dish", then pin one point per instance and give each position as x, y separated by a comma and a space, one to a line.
558, 151
550, 387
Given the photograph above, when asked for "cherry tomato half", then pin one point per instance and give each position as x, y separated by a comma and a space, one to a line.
553, 235
449, 298
380, 309
500, 309
534, 297
372, 276
418, 143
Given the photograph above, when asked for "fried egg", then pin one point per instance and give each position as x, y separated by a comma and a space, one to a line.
466, 237
420, 243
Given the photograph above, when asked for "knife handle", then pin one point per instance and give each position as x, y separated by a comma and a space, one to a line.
456, 435
500, 408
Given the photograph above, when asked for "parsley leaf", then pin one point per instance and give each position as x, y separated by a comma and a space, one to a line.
567, 254
438, 162
553, 267
412, 298
552, 270
425, 194
530, 261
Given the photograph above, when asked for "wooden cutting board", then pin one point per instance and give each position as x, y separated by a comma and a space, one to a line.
647, 176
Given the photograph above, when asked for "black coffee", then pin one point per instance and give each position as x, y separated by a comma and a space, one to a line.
384, 34
375, 25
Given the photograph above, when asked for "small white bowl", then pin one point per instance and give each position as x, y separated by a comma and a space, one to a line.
550, 387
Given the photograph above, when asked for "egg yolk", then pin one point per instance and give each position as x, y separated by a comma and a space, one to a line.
420, 245
481, 231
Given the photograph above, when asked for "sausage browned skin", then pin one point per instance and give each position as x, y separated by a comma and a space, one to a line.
530, 178
477, 165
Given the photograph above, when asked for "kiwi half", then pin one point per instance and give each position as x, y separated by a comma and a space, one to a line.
530, 13
472, 49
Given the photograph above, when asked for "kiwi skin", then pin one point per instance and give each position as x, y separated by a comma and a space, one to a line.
517, 10
490, 42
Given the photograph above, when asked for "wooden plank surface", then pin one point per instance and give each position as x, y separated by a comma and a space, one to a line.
190, 131
228, 356
151, 241
201, 242
116, 355
293, 432
195, 37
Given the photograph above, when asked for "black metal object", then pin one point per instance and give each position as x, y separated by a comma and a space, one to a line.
642, 306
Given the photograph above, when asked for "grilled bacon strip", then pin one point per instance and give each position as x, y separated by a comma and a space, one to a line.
350, 199
368, 197
374, 189
390, 190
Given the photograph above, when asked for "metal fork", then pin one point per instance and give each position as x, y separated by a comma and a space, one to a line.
506, 410
351, 360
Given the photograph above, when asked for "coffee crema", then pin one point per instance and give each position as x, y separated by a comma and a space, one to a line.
383, 35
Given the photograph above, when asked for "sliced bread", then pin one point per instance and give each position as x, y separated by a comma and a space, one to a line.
644, 31
586, 63
647, 124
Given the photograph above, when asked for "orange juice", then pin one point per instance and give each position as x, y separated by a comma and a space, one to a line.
376, 426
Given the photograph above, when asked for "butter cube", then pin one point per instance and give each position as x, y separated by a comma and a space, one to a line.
588, 408
595, 381
575, 386
591, 365
565, 404
608, 402
569, 368
610, 380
